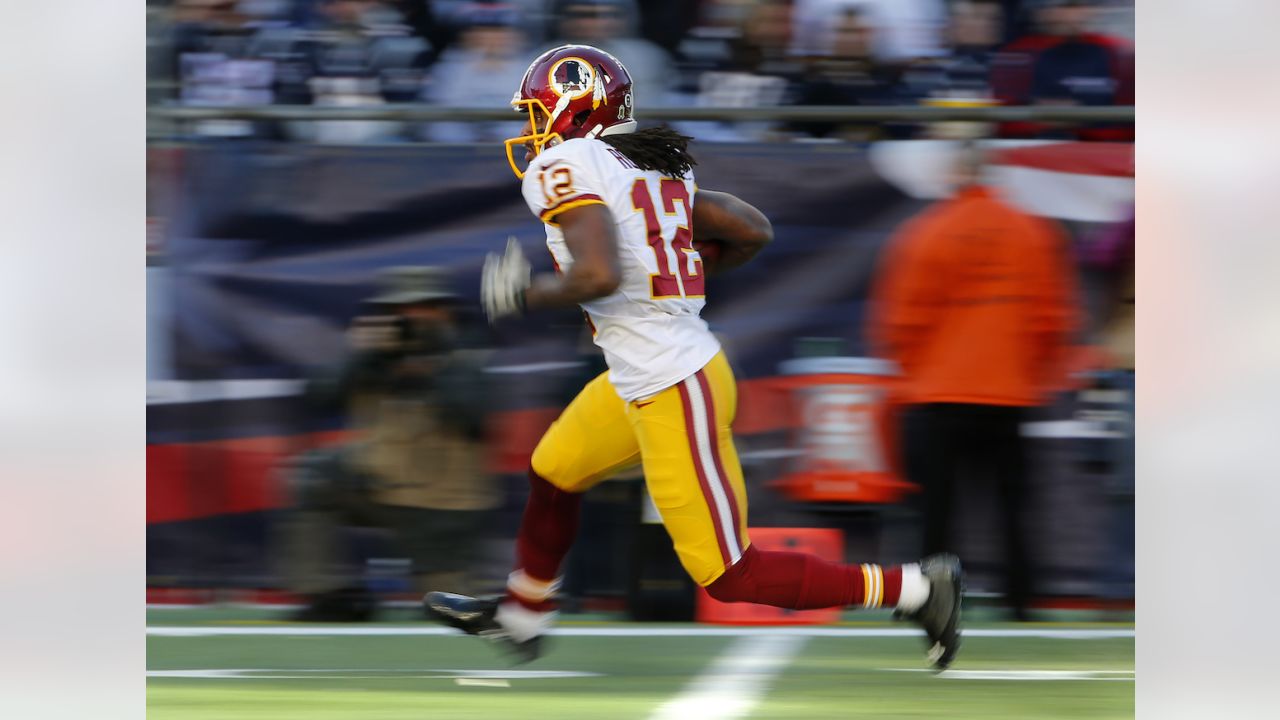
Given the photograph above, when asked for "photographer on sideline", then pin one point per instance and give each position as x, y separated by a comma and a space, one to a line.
416, 398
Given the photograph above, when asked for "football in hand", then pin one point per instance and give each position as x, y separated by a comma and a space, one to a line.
709, 251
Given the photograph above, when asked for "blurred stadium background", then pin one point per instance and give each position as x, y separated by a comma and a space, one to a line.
298, 149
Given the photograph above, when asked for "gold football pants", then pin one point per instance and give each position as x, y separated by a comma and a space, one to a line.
681, 437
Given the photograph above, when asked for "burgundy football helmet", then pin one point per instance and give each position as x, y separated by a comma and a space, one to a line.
572, 91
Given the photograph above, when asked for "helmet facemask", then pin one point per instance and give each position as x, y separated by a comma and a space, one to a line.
537, 115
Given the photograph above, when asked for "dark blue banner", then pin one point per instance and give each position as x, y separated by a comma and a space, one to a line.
273, 250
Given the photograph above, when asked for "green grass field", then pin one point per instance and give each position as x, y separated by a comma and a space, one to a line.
621, 671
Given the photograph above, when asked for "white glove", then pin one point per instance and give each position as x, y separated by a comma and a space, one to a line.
503, 282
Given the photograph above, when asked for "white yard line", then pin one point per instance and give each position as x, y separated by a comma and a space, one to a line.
633, 631
363, 674
392, 604
735, 681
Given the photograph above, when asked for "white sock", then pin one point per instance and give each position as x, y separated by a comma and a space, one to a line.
522, 623
532, 589
915, 588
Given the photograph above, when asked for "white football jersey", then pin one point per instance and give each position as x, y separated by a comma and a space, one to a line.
650, 329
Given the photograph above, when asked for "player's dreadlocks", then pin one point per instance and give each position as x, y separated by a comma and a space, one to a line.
658, 148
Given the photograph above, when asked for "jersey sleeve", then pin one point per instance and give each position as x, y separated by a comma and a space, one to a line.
562, 179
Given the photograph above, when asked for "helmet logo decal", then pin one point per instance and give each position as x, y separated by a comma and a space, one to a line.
599, 96
572, 78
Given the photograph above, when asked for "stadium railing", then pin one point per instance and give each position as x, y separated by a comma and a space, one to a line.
165, 119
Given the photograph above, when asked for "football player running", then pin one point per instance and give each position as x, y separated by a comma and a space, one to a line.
624, 222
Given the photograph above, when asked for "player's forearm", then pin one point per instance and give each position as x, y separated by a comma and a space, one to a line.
572, 288
590, 234
741, 228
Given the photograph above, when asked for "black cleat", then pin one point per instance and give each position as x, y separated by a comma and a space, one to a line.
477, 616
940, 614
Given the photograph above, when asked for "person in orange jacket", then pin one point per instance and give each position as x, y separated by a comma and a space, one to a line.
975, 302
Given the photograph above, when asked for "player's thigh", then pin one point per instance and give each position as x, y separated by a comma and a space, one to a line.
692, 470
590, 441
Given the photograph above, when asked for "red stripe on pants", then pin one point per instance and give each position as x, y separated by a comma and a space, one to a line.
712, 428
707, 495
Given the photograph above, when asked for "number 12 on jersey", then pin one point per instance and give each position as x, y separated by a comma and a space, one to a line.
687, 279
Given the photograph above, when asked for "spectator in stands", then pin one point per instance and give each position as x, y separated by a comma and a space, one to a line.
972, 36
1080, 68
606, 25
848, 76
415, 396
975, 303
482, 69
442, 22
764, 40
357, 53
708, 44
218, 61
667, 22
1062, 63
907, 30
741, 57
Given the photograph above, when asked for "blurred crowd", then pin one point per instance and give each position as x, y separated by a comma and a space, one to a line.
709, 53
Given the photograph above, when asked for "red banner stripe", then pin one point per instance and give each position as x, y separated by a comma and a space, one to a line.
1080, 158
